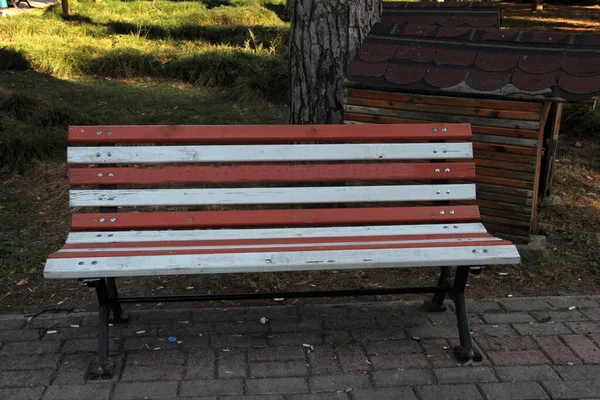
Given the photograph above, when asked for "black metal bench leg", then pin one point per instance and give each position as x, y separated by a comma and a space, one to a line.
103, 368
115, 305
436, 304
465, 351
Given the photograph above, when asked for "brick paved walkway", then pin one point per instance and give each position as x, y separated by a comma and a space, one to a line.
534, 348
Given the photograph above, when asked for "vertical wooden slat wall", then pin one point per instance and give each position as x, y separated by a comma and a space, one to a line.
507, 143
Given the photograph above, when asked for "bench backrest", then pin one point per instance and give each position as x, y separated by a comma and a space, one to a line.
269, 176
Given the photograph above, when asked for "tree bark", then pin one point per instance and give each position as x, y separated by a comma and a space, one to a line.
65, 7
537, 5
325, 36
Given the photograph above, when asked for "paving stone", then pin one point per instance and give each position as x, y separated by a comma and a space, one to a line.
323, 360
349, 323
160, 343
159, 316
395, 393
449, 392
584, 327
465, 375
278, 353
404, 377
325, 311
559, 316
130, 391
526, 373
274, 369
514, 391
89, 346
73, 369
439, 352
525, 304
493, 330
481, 306
540, 328
231, 364
573, 389
406, 346
33, 361
156, 358
12, 323
137, 330
19, 335
353, 359
314, 396
250, 340
52, 321
239, 327
578, 372
97, 391
596, 338
69, 333
406, 321
558, 352
284, 326
524, 357
449, 319
372, 335
263, 397
506, 343
22, 393
338, 383
337, 338
200, 365
295, 339
507, 318
272, 313
583, 347
154, 373
399, 361
183, 331
592, 313
26, 378
33, 347
569, 301
276, 386
434, 332
218, 314
216, 387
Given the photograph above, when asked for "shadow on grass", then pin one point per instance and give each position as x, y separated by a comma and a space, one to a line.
13, 60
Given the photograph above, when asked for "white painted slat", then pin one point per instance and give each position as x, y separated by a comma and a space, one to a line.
275, 262
266, 153
272, 233
283, 195
275, 246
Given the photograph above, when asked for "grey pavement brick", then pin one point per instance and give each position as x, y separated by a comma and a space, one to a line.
403, 377
559, 316
323, 360
315, 396
506, 343
32, 361
154, 373
540, 328
159, 316
29, 378
578, 372
524, 357
97, 391
273, 369
277, 353
324, 311
507, 318
353, 359
258, 397
22, 393
349, 324
584, 327
231, 364
249, 340
54, 321
395, 393
151, 343
514, 391
276, 386
526, 373
89, 346
372, 335
525, 304
200, 364
449, 318
156, 358
73, 369
337, 338
399, 361
218, 314
217, 387
237, 327
493, 330
592, 313
558, 352
584, 348
33, 347
449, 392
569, 301
295, 339
272, 313
439, 352
596, 338
573, 389
342, 383
482, 306
434, 332
465, 375
137, 330
19, 335
180, 331
416, 321
129, 391
13, 323
406, 346
309, 325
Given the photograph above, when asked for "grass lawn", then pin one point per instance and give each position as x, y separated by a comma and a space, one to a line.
213, 62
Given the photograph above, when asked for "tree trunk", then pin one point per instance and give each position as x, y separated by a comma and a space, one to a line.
324, 37
65, 7
537, 5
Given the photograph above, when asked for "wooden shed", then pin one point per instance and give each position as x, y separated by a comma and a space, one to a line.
509, 85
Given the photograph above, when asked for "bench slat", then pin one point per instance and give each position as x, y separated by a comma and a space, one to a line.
238, 234
271, 173
280, 195
279, 261
249, 218
265, 133
268, 153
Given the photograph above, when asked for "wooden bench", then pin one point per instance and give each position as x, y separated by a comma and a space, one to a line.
328, 201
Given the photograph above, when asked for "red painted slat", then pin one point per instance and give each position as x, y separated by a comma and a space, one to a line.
264, 218
266, 133
279, 241
272, 173
88, 254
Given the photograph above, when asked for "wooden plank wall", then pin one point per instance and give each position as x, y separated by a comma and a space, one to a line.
507, 143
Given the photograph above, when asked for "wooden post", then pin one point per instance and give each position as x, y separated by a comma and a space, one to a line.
65, 7
325, 35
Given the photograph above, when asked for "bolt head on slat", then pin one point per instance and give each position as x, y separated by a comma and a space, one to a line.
437, 170
437, 192
434, 151
434, 130
447, 170
451, 211
110, 154
102, 220
110, 175
447, 192
109, 133
98, 154
98, 132
443, 130
444, 151
100, 175
113, 219
442, 212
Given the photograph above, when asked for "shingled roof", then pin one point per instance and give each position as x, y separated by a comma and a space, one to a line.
452, 55
473, 14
